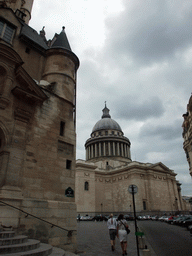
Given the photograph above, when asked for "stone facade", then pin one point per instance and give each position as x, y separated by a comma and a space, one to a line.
187, 134
102, 180
37, 127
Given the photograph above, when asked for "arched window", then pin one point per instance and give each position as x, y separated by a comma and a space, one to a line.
86, 185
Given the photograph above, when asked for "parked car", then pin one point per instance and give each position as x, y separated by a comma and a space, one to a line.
155, 217
162, 218
140, 217
171, 219
180, 219
128, 217
176, 220
144, 217
187, 222
86, 217
100, 218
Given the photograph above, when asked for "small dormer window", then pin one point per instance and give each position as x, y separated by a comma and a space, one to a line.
6, 31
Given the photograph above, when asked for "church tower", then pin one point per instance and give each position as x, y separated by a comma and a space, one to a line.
37, 128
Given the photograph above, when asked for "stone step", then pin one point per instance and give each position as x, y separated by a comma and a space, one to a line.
70, 254
7, 234
57, 252
43, 250
13, 240
31, 244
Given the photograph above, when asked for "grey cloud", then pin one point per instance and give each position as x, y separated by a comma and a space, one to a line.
151, 31
133, 108
165, 132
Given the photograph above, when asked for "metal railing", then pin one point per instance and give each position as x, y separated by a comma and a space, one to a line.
69, 234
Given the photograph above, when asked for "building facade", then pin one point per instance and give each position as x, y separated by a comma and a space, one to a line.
37, 128
102, 180
187, 134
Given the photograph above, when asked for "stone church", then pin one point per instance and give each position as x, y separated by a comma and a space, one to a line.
37, 128
102, 180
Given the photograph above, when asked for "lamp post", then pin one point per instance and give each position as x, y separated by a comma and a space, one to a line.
133, 190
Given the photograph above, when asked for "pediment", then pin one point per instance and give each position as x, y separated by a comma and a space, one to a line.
161, 167
27, 89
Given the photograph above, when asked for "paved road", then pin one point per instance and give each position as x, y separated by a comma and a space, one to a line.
166, 239
93, 240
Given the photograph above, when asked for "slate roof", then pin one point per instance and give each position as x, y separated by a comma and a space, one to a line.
30, 34
62, 41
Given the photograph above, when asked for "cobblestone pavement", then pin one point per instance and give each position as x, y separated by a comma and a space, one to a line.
93, 240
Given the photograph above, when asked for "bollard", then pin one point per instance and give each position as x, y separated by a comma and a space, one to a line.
146, 252
141, 241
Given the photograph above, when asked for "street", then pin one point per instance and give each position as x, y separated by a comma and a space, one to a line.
164, 239
93, 240
167, 239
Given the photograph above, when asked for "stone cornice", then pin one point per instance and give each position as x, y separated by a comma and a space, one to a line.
118, 177
135, 170
85, 165
32, 89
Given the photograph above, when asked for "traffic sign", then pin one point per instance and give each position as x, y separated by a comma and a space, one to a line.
133, 189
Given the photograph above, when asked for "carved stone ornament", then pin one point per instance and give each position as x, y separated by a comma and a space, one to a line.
22, 3
86, 174
4, 102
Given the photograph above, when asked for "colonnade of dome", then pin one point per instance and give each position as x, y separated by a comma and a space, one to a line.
107, 148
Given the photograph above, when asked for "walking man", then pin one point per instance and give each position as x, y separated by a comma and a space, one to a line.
112, 226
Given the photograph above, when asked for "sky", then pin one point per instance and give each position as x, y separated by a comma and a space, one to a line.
137, 56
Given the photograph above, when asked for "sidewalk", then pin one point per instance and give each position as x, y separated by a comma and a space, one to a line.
93, 240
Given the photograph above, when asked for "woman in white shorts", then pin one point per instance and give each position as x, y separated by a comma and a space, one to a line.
122, 233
